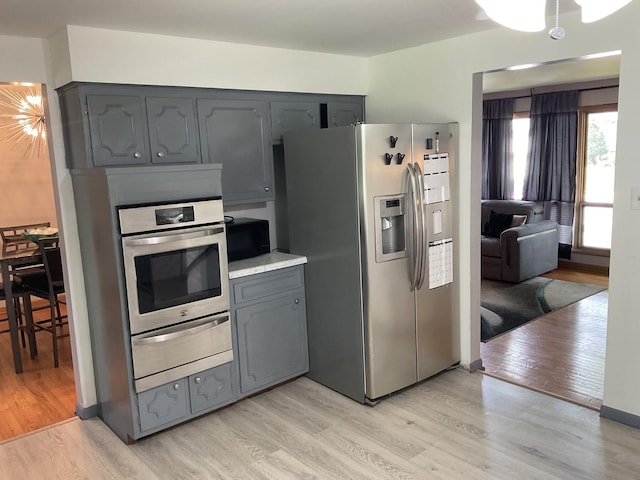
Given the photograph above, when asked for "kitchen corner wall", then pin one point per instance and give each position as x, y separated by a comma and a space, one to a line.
444, 86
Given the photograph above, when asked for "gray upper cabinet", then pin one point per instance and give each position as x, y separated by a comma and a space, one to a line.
236, 133
287, 116
173, 136
110, 125
340, 114
116, 128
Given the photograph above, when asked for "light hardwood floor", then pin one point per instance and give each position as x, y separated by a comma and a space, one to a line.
40, 396
455, 426
562, 353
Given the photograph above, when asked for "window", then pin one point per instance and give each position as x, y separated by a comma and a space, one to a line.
520, 147
597, 127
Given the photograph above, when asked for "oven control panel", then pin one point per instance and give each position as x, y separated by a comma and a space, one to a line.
149, 218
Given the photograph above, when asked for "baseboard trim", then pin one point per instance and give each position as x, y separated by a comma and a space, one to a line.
86, 412
584, 267
476, 365
619, 416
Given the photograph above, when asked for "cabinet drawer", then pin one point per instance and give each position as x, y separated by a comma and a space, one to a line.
267, 284
211, 387
163, 404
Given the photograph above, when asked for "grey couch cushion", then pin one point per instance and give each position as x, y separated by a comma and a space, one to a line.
490, 246
533, 210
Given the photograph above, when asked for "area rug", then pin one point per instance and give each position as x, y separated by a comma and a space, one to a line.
505, 306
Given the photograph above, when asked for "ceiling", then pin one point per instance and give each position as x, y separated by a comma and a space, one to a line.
361, 28
350, 27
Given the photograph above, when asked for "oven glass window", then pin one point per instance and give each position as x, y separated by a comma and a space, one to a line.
177, 277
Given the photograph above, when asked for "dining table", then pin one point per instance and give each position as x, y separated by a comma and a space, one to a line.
10, 259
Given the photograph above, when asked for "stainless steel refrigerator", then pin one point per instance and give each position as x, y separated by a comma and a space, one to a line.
371, 208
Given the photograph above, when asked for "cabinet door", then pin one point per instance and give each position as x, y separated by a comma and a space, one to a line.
236, 133
272, 341
117, 132
343, 113
173, 135
211, 387
163, 404
287, 116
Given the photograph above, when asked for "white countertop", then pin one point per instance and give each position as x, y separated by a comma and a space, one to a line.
264, 263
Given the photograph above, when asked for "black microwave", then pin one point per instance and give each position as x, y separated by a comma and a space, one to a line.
247, 237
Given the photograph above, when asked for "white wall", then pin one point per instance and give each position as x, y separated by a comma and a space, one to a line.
439, 86
99, 55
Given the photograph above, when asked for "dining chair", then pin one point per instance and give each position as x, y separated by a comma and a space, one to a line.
13, 237
50, 287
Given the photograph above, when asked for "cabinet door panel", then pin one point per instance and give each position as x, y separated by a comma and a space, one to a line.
163, 404
172, 130
117, 131
211, 387
236, 134
272, 341
287, 116
343, 113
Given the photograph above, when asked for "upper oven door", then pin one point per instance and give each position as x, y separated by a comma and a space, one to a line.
175, 276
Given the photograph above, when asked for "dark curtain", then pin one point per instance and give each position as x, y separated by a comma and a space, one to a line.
551, 163
497, 154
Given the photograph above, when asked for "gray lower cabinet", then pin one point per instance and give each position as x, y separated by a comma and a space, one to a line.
237, 134
163, 404
270, 316
211, 388
179, 400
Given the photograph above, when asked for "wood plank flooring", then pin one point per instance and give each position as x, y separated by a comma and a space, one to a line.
40, 396
455, 426
562, 353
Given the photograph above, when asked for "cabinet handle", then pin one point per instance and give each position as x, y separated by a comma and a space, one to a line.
198, 380
176, 386
266, 189
137, 155
160, 154
297, 301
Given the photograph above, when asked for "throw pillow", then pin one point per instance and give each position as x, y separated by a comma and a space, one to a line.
498, 223
518, 220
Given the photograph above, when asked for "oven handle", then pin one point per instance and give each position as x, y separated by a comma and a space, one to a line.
173, 237
165, 337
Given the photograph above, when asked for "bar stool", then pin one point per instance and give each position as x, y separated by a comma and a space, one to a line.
49, 287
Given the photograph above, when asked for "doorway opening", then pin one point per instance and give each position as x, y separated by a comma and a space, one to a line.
41, 395
561, 353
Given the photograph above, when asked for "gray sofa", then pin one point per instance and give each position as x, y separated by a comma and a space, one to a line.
521, 252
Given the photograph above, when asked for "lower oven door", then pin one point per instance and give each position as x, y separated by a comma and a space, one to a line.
175, 352
175, 276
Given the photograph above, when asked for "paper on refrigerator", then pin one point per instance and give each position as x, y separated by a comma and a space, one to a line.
436, 178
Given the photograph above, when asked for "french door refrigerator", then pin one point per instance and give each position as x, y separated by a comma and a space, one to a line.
370, 206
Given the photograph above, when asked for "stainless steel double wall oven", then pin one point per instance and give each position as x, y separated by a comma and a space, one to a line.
176, 277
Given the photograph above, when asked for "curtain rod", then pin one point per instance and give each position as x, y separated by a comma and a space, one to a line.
548, 89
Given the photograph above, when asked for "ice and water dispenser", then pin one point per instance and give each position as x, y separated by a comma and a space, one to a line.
390, 227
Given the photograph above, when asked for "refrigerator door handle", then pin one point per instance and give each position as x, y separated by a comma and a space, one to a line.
423, 212
415, 248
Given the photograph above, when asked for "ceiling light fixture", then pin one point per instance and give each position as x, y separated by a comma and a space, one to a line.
529, 15
24, 119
